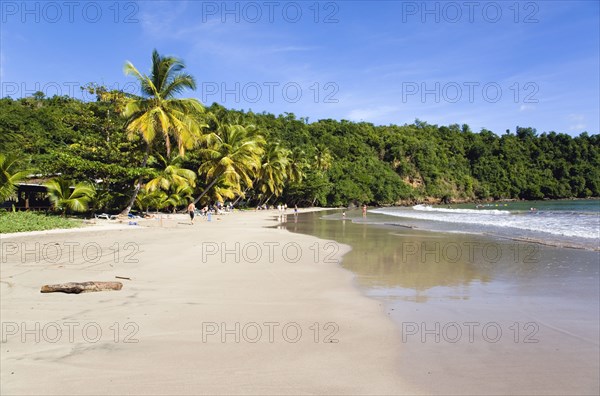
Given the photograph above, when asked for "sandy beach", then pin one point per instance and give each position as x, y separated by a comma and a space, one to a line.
230, 306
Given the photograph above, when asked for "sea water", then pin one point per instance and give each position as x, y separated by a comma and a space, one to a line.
574, 223
482, 304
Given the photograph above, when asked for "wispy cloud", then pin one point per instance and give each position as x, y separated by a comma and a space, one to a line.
525, 107
372, 114
577, 127
292, 48
161, 18
577, 122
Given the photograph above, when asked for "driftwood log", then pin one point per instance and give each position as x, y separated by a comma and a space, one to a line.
81, 287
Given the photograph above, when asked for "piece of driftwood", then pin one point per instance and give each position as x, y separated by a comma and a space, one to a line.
81, 287
122, 277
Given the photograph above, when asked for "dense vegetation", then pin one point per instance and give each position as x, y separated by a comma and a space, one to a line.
30, 221
266, 158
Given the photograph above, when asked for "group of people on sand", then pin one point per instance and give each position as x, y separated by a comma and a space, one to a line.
219, 208
281, 208
207, 210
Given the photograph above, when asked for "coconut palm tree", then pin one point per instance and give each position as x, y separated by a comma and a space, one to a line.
180, 196
145, 200
234, 155
223, 190
65, 197
171, 176
9, 176
273, 171
322, 157
157, 111
150, 200
322, 163
297, 165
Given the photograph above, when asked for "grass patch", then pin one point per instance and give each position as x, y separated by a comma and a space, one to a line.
32, 221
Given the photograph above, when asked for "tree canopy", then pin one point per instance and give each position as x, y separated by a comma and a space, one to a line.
327, 162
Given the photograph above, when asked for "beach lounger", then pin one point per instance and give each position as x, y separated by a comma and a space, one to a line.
106, 216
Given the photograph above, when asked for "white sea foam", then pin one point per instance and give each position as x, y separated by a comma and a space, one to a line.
427, 208
568, 224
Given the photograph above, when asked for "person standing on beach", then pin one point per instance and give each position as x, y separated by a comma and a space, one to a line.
192, 211
365, 210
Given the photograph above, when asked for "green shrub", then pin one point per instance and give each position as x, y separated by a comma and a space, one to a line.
31, 221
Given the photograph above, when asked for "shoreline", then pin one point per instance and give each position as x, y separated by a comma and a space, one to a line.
198, 312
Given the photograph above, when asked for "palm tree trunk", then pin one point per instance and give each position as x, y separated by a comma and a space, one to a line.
240, 197
138, 185
168, 144
268, 199
206, 189
264, 202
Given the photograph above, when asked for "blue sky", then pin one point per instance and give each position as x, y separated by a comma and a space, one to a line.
488, 64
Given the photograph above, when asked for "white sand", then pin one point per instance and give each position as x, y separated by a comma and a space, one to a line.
172, 328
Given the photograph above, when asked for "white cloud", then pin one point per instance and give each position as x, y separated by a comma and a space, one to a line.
160, 18
371, 114
525, 107
576, 117
578, 120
